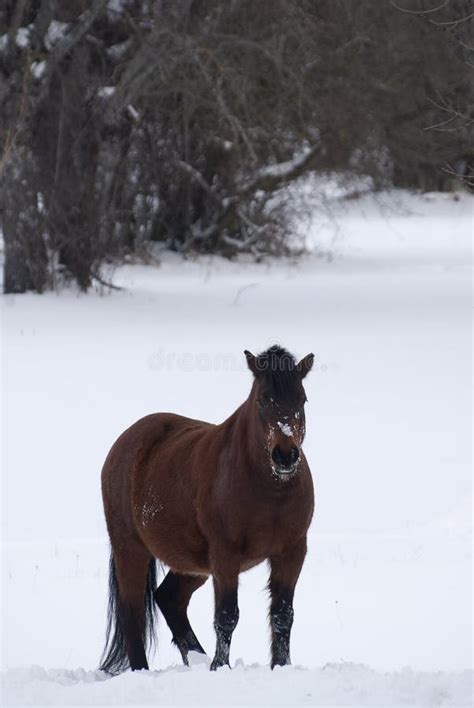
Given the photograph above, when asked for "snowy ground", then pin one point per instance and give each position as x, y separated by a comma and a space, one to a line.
387, 582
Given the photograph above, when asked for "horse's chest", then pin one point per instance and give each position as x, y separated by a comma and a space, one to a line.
267, 534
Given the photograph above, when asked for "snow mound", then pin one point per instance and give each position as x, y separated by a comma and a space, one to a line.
336, 684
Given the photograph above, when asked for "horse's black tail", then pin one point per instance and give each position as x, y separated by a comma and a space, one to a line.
114, 658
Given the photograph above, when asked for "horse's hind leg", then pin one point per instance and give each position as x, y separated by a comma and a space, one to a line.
133, 570
173, 598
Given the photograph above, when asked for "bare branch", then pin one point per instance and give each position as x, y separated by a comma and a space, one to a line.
197, 177
420, 12
274, 176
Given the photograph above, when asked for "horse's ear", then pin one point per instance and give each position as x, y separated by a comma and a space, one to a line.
251, 362
305, 365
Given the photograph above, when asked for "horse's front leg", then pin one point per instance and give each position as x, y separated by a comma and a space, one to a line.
226, 613
285, 570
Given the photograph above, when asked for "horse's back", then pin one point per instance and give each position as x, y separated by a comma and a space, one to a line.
146, 432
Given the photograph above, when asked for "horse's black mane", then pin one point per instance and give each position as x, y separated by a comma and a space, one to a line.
278, 367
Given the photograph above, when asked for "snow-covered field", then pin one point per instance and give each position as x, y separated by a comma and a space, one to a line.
383, 613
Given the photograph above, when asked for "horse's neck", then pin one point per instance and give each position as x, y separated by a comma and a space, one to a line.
243, 435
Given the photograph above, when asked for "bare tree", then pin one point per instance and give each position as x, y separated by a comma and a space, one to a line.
452, 101
49, 161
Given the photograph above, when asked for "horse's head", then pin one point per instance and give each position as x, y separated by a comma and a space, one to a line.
278, 398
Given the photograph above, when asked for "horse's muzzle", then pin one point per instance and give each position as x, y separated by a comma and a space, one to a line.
285, 461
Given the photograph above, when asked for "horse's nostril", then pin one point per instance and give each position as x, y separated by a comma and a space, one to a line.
294, 453
285, 458
277, 457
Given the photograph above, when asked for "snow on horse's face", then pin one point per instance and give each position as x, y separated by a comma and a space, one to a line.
279, 399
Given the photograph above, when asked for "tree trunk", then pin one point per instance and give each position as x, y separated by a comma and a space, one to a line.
25, 261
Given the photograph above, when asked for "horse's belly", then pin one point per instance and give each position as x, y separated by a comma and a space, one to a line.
251, 563
182, 548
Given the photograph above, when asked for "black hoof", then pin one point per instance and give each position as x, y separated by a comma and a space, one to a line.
217, 663
187, 644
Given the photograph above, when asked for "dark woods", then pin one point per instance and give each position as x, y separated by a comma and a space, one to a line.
125, 122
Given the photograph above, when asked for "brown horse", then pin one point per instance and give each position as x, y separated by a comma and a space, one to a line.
208, 500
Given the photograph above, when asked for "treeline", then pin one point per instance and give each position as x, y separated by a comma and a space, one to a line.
130, 121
